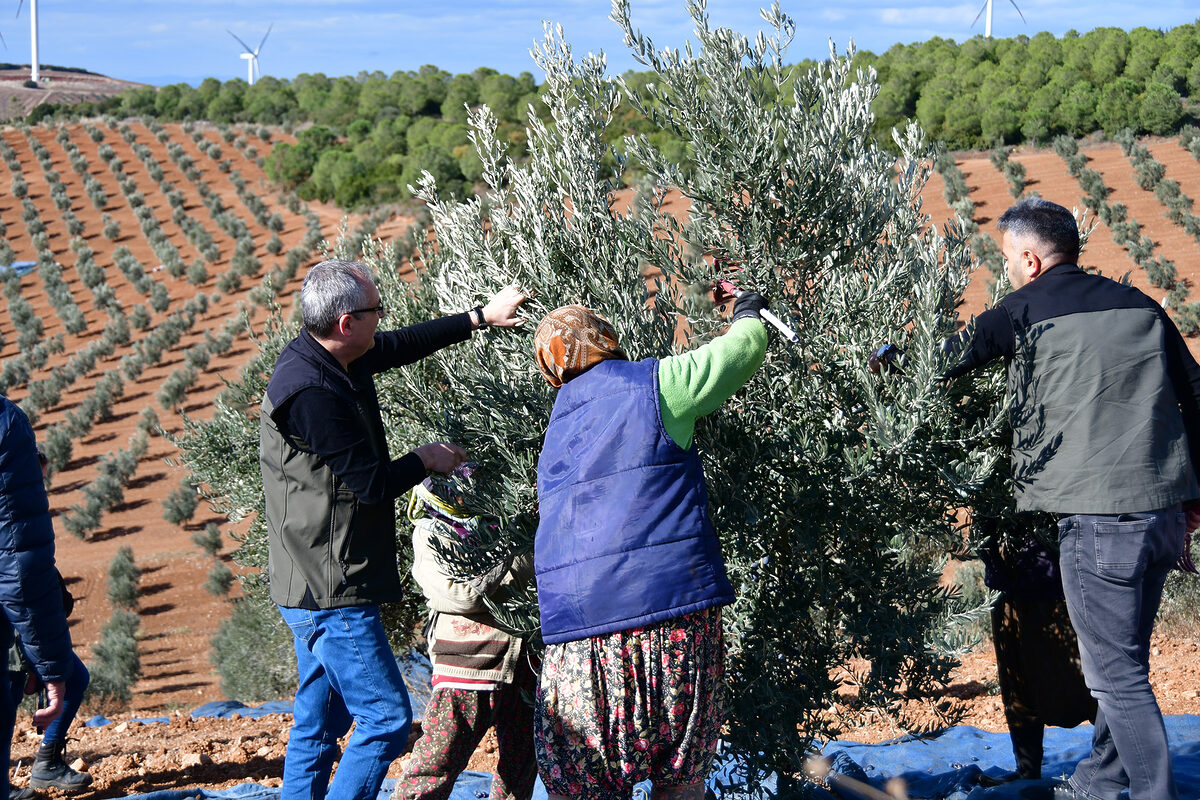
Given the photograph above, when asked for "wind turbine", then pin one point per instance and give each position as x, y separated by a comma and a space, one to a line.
33, 38
987, 26
251, 56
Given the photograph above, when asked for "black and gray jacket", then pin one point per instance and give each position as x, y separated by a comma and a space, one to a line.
329, 481
1105, 411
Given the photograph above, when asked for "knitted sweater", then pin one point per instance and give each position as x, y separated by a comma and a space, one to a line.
468, 651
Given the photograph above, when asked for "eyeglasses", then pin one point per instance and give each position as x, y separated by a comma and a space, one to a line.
380, 310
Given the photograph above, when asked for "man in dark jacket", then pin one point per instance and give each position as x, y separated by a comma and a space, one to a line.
29, 588
330, 488
1106, 434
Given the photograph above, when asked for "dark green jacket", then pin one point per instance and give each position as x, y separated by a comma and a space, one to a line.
329, 481
1105, 395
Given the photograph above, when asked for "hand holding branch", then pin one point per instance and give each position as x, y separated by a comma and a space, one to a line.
441, 456
501, 310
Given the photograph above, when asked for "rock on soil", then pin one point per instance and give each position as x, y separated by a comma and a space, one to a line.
128, 757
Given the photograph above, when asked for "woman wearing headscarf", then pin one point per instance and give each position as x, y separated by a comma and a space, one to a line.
629, 569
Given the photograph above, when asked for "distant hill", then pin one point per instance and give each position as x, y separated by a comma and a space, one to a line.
66, 85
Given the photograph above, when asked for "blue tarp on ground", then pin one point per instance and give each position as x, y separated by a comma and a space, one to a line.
942, 767
470, 786
99, 721
19, 267
946, 767
226, 709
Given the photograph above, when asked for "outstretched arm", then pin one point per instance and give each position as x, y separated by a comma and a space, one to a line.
692, 385
993, 339
411, 343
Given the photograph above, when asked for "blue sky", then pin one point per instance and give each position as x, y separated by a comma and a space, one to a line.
165, 41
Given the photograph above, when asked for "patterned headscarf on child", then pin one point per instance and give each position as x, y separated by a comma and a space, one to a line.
571, 340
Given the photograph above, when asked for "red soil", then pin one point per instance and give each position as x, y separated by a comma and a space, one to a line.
178, 616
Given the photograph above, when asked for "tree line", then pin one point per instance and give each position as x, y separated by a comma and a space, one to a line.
987, 92
364, 139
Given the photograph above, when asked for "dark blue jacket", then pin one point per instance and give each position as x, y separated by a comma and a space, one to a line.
624, 539
29, 590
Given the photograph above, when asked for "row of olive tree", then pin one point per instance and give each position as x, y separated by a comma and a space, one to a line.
958, 195
106, 490
116, 664
1151, 175
1127, 232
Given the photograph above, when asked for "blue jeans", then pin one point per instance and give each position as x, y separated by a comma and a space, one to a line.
347, 674
1113, 571
76, 685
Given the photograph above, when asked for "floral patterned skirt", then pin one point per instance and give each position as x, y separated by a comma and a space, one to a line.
644, 703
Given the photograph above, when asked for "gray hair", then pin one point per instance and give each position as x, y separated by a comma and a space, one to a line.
331, 289
1049, 223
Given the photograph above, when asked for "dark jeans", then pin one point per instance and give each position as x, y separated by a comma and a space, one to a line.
1113, 571
8, 713
347, 674
76, 685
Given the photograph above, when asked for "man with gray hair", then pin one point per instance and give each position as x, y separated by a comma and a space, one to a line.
1106, 434
330, 488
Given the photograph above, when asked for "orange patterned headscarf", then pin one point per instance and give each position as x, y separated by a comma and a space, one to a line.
571, 340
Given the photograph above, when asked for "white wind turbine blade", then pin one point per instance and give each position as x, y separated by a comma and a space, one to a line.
257, 50
982, 8
239, 41
272, 25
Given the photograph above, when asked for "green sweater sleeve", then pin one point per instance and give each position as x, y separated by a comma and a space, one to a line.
693, 384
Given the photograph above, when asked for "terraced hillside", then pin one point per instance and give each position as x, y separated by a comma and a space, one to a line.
147, 229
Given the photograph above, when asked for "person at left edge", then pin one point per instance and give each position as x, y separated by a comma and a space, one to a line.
330, 487
30, 598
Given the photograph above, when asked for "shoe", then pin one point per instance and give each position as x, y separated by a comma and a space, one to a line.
1059, 790
50, 770
21, 794
989, 781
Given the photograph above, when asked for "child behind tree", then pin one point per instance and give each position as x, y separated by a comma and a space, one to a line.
481, 674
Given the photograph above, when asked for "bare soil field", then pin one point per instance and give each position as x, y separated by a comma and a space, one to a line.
128, 757
178, 617
58, 86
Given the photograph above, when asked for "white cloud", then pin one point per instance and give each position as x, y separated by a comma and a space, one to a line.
929, 16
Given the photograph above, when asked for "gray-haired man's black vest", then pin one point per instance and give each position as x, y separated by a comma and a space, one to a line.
326, 549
